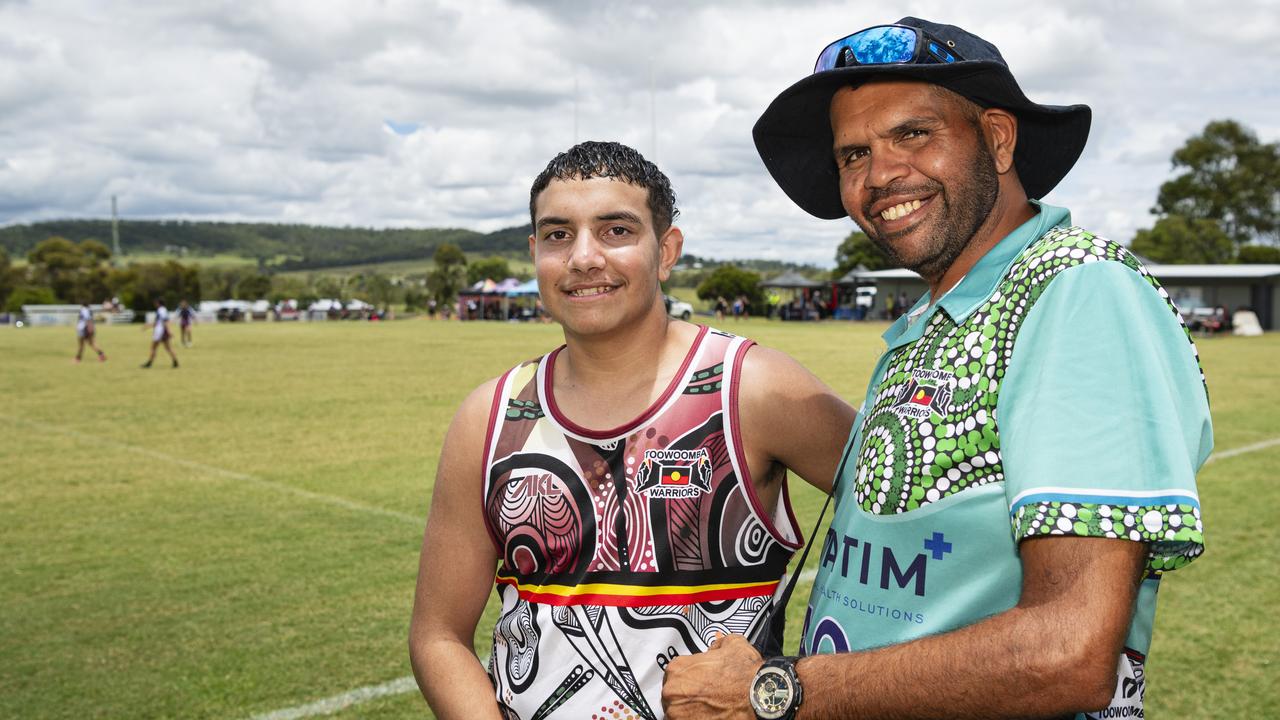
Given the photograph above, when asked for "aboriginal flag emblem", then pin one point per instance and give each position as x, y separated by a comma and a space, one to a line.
680, 473
926, 393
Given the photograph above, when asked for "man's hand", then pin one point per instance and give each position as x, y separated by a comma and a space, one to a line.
714, 685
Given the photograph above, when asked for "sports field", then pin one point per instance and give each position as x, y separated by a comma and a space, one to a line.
238, 538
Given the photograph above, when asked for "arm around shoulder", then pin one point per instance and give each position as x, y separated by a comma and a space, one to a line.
455, 572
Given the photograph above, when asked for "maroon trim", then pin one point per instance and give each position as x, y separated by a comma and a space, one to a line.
740, 457
498, 394
550, 399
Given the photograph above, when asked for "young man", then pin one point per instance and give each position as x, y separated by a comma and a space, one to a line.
629, 486
160, 335
1024, 471
85, 332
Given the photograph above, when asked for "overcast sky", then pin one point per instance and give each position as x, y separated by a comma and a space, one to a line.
433, 114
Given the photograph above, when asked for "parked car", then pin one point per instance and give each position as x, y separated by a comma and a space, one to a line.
678, 308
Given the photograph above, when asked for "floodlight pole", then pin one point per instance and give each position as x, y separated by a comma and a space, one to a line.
115, 232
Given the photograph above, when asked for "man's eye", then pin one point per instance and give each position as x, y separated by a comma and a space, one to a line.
914, 134
853, 156
617, 231
557, 235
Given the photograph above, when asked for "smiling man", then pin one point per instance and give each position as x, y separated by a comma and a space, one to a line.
1022, 471
629, 487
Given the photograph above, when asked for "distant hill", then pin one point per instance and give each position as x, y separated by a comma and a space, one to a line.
285, 248
282, 247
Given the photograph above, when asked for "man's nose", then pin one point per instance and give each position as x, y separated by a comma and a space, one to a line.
586, 253
884, 167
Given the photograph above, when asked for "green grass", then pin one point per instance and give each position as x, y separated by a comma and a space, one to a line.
162, 560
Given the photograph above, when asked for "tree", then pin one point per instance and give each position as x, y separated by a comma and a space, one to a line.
170, 281
253, 287
449, 274
29, 295
729, 282
75, 272
1177, 240
492, 268
8, 278
1229, 176
1259, 255
857, 249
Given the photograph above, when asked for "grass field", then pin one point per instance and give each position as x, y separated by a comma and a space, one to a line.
240, 536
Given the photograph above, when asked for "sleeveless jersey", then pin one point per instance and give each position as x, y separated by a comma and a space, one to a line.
621, 549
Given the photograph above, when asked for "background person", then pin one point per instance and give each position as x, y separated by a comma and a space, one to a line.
160, 334
85, 333
186, 318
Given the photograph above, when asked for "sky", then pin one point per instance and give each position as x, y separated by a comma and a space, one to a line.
390, 113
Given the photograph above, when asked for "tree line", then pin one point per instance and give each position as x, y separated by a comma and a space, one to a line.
276, 247
59, 270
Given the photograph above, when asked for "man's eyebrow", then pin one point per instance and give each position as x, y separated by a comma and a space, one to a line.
844, 150
623, 215
912, 123
551, 220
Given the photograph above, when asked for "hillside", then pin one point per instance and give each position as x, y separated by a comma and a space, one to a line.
282, 247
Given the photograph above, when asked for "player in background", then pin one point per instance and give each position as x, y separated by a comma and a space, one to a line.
160, 334
186, 318
84, 333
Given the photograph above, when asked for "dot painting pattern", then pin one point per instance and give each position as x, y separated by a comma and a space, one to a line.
931, 430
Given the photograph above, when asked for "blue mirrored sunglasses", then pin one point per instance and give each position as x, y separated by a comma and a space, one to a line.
885, 45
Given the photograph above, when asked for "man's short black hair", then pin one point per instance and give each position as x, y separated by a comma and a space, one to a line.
611, 160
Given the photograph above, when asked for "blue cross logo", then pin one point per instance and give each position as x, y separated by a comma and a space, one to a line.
937, 545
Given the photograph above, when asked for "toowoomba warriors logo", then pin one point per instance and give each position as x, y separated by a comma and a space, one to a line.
927, 392
674, 473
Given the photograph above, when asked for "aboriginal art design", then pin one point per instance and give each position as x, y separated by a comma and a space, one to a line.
932, 430
622, 549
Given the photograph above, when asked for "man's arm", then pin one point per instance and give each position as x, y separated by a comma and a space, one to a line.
455, 573
1053, 654
790, 417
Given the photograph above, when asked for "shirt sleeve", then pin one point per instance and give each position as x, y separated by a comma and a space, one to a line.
1104, 416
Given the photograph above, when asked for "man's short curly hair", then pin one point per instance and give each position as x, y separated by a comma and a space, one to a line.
611, 160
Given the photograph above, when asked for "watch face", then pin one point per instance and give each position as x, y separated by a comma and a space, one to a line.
771, 693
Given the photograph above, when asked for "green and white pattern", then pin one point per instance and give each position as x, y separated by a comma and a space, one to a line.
931, 430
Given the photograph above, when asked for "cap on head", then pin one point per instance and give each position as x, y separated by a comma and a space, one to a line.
612, 160
794, 135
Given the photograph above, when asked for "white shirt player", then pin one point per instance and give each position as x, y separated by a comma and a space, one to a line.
162, 324
82, 324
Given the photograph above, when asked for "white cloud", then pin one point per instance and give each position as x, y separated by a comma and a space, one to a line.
279, 111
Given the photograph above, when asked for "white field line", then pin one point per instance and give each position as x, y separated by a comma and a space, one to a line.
221, 472
406, 684
331, 705
1242, 450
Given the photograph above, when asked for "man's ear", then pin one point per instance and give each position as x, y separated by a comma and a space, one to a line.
1000, 132
533, 243
670, 245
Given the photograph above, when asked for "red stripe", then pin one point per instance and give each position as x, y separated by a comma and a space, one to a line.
648, 600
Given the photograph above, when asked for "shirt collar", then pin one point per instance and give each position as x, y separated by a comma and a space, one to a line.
977, 285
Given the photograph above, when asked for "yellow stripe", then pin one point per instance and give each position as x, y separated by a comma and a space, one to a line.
640, 590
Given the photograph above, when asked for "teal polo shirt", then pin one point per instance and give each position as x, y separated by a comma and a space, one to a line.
1053, 391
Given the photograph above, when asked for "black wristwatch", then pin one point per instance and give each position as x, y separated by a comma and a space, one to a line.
776, 692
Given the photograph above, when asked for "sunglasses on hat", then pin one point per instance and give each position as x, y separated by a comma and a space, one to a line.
886, 45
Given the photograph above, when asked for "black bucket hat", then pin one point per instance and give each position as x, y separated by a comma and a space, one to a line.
795, 141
